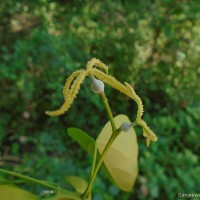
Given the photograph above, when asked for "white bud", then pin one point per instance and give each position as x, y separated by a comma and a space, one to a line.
125, 126
46, 192
97, 86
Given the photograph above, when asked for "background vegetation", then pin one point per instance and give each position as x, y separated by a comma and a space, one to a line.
153, 44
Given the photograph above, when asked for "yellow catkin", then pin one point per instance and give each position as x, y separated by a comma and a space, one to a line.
96, 62
76, 87
137, 99
72, 95
127, 90
147, 132
60, 111
68, 82
148, 142
110, 81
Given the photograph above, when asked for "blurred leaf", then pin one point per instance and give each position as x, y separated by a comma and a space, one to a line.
2, 178
78, 184
8, 192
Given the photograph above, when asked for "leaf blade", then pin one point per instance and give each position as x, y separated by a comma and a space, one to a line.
82, 138
8, 192
121, 159
78, 183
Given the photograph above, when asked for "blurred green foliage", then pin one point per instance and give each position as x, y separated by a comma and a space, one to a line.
153, 44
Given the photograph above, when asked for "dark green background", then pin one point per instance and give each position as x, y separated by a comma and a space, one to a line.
154, 45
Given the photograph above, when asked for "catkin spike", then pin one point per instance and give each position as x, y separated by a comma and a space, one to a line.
96, 62
64, 108
148, 142
147, 132
71, 96
76, 87
69, 81
138, 100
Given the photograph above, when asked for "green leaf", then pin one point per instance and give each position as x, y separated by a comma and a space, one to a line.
2, 178
78, 184
8, 192
121, 159
82, 138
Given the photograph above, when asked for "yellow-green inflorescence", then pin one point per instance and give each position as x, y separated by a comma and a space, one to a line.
99, 70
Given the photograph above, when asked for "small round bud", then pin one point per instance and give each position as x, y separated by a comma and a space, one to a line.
46, 192
97, 86
125, 127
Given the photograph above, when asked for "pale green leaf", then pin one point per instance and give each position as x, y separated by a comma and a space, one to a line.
8, 192
82, 138
78, 184
121, 160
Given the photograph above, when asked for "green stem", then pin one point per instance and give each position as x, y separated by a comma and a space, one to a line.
109, 112
94, 160
40, 182
110, 141
89, 187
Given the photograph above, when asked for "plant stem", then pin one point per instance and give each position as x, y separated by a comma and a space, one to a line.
94, 160
109, 112
40, 182
109, 143
88, 189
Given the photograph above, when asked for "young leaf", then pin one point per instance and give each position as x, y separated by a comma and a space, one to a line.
121, 159
77, 183
82, 138
8, 192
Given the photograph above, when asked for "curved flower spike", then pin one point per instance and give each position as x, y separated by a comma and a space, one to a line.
127, 90
96, 62
137, 100
69, 81
71, 95
147, 132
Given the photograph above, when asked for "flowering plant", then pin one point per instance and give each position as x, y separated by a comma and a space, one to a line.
116, 146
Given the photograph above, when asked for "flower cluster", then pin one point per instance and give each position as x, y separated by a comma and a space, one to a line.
95, 68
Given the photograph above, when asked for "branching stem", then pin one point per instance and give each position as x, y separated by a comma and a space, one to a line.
110, 141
